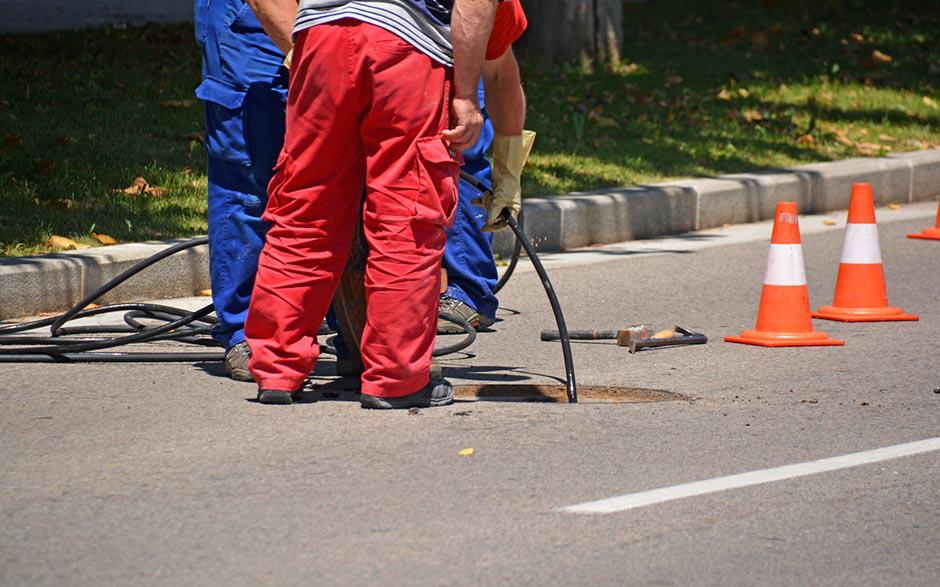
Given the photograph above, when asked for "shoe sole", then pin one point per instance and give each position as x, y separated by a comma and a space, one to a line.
276, 398
372, 402
239, 375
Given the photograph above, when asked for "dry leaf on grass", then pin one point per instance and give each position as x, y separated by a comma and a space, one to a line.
189, 102
928, 102
806, 140
61, 243
199, 137
752, 115
44, 166
857, 37
882, 58
602, 121
104, 239
140, 186
673, 80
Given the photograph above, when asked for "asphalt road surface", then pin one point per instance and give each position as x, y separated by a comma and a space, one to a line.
171, 474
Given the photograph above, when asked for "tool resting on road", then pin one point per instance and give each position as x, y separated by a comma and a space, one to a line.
635, 337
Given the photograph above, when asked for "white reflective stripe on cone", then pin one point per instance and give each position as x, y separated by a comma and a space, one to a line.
785, 265
861, 244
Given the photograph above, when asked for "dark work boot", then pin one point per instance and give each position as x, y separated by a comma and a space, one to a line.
275, 397
435, 393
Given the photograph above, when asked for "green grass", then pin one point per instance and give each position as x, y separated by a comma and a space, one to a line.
718, 86
706, 87
84, 113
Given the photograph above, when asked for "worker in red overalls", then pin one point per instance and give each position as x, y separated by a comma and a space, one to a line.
374, 105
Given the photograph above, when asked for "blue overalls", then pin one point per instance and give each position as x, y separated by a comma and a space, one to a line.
468, 255
244, 88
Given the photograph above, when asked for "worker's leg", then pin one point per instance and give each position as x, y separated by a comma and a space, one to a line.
245, 91
410, 198
314, 200
468, 257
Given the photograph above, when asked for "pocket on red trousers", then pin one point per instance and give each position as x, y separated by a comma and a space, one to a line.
436, 199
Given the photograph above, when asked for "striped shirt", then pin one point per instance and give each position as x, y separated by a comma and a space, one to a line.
397, 16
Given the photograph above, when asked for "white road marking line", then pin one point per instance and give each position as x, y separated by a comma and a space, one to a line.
654, 496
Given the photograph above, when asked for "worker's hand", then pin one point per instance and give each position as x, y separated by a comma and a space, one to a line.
468, 122
509, 157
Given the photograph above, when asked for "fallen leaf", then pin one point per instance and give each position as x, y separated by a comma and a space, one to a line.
882, 58
888, 138
752, 115
140, 186
724, 95
871, 149
67, 203
930, 103
856, 37
205, 293
45, 166
893, 206
828, 222
64, 244
673, 80
104, 239
845, 140
178, 103
760, 40
807, 140
743, 92
602, 121
466, 452
12, 139
733, 35
199, 137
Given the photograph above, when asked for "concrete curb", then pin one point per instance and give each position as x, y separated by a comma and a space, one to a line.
616, 215
46, 283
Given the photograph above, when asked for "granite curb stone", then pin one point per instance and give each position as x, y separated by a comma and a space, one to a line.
45, 283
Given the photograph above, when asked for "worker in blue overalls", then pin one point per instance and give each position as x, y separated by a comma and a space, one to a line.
244, 89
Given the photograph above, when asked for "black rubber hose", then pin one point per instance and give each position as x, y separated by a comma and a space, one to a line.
194, 357
457, 347
67, 347
514, 260
556, 308
79, 307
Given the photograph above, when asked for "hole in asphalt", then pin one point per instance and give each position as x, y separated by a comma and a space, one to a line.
558, 394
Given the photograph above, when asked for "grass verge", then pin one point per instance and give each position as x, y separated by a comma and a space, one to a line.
706, 87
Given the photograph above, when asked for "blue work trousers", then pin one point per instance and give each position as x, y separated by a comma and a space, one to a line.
244, 89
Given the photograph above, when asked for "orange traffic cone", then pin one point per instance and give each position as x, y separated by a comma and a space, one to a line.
783, 318
929, 233
861, 294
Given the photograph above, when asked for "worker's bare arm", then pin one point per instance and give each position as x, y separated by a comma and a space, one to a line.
277, 17
505, 99
471, 23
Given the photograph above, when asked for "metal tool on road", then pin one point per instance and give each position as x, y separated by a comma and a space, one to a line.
635, 337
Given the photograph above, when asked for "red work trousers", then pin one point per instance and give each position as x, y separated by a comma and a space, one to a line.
364, 116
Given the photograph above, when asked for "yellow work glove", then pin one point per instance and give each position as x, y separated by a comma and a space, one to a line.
509, 157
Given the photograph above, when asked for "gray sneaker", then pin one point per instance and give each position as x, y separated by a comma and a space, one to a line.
236, 362
435, 393
454, 307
